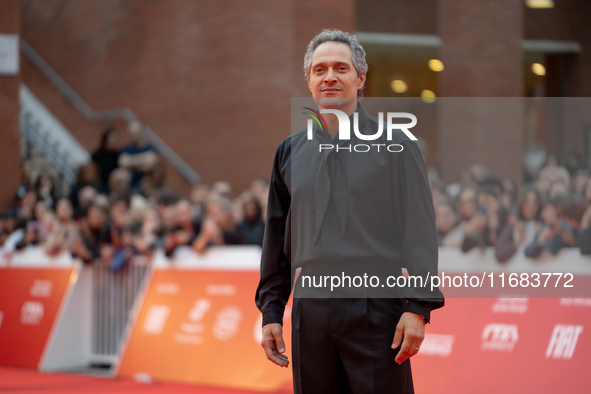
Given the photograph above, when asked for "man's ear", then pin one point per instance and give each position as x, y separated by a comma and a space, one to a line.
361, 81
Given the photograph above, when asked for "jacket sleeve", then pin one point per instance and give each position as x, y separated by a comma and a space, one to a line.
276, 275
505, 247
534, 249
469, 242
420, 247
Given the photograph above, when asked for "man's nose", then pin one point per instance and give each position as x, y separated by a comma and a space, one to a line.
330, 76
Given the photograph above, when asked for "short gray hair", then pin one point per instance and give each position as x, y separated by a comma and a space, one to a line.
334, 35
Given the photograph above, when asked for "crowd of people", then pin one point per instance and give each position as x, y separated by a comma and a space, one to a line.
119, 209
551, 211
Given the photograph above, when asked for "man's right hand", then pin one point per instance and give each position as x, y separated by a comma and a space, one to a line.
273, 344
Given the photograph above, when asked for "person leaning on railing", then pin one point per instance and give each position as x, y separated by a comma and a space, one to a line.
219, 226
93, 234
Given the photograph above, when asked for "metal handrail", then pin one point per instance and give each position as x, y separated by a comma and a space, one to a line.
58, 160
124, 113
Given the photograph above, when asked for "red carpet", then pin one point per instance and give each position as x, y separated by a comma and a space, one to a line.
20, 380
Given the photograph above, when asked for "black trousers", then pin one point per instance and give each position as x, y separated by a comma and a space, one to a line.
342, 345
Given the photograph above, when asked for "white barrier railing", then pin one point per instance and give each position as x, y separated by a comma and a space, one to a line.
114, 294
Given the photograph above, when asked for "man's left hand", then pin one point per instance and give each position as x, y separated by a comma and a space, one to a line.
411, 327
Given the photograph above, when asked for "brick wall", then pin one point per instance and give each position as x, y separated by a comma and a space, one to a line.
10, 23
212, 79
397, 16
486, 62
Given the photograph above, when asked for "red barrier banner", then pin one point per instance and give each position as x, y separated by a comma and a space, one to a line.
506, 345
202, 327
30, 302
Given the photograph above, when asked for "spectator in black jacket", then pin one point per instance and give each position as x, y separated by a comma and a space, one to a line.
106, 157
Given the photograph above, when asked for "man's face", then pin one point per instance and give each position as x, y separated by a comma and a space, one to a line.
333, 79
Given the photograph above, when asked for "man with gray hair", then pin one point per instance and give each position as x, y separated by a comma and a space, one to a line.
333, 212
